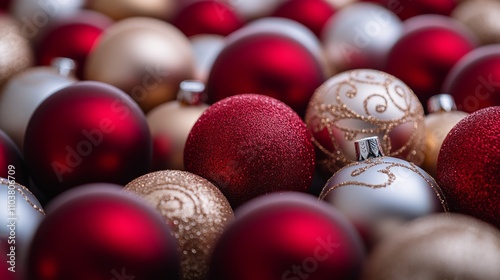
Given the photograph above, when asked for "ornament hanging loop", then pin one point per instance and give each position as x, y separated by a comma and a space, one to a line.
368, 147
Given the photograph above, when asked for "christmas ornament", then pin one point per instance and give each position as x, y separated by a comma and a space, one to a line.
270, 63
443, 116
99, 232
15, 51
11, 161
72, 37
252, 9
468, 168
360, 36
26, 90
206, 48
287, 236
312, 14
428, 49
5, 274
436, 247
35, 15
207, 17
410, 8
481, 18
195, 209
379, 193
360, 103
170, 124
249, 145
86, 132
474, 80
119, 9
144, 57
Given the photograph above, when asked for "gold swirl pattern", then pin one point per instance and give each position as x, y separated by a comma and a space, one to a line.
362, 103
24, 192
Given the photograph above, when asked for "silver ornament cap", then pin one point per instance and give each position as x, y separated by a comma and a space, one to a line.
191, 92
66, 67
441, 103
368, 147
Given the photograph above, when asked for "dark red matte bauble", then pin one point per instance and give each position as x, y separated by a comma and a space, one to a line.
410, 8
11, 156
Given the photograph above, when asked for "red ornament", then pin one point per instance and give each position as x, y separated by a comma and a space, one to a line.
311, 13
288, 236
72, 37
11, 160
5, 274
269, 63
474, 81
427, 51
207, 17
249, 145
99, 232
468, 169
410, 8
87, 132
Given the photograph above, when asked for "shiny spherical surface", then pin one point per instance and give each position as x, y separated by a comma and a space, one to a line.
37, 14
473, 81
288, 236
360, 103
86, 132
438, 247
249, 145
206, 48
468, 167
12, 160
194, 208
100, 232
121, 9
410, 8
482, 18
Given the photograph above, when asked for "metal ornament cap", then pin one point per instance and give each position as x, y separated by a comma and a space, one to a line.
368, 147
441, 103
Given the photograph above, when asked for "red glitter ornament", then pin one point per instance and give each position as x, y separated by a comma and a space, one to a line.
11, 162
474, 81
288, 236
207, 17
410, 8
468, 169
99, 232
87, 132
249, 145
426, 52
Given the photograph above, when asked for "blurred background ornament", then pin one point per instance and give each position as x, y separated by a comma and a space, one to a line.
443, 116
409, 8
25, 91
253, 9
426, 52
171, 122
474, 81
468, 167
86, 132
195, 210
15, 51
437, 247
206, 48
249, 145
288, 236
483, 19
144, 57
379, 194
207, 17
361, 36
360, 103
121, 9
11, 156
99, 232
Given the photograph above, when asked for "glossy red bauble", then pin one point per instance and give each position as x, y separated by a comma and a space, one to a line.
410, 8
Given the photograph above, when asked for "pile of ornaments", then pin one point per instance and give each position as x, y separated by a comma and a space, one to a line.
282, 139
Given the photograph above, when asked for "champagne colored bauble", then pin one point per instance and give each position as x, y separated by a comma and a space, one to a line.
84, 133
443, 116
426, 52
468, 168
146, 58
25, 92
380, 193
11, 161
196, 211
35, 14
410, 8
441, 246
100, 232
249, 145
206, 48
288, 236
474, 80
120, 9
360, 103
170, 124
361, 36
15, 50
482, 18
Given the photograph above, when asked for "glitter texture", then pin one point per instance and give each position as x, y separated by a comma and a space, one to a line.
249, 145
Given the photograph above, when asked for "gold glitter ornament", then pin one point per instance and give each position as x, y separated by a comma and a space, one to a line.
194, 208
482, 18
362, 103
